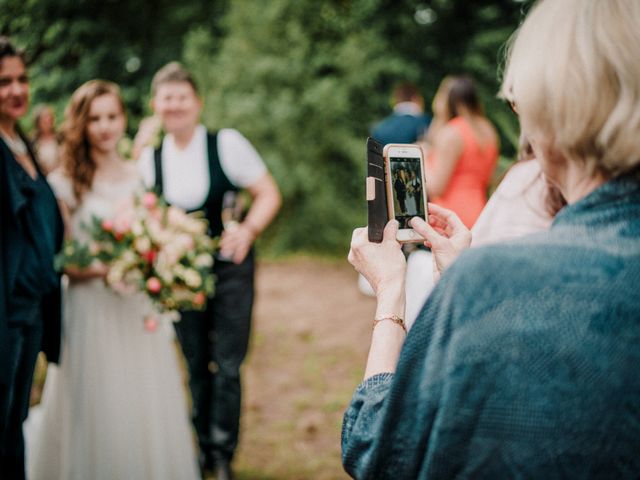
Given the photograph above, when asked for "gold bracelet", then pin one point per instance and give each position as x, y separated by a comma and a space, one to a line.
394, 318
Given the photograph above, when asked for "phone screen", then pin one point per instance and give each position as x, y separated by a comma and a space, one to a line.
406, 186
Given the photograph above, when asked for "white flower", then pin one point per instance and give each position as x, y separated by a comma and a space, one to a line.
115, 274
196, 226
176, 217
172, 252
192, 278
157, 233
185, 241
204, 260
142, 244
164, 271
179, 271
129, 258
137, 228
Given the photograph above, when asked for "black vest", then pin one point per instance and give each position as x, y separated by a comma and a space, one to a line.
219, 184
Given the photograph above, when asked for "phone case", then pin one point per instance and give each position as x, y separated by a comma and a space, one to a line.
378, 215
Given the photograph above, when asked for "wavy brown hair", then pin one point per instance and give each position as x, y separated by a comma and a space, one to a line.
75, 150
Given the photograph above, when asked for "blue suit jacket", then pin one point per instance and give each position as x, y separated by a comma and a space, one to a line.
401, 128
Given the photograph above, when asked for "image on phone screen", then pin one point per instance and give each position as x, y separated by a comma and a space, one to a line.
406, 186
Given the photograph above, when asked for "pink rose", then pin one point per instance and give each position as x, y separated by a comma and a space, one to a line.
150, 256
150, 324
122, 222
122, 227
107, 225
153, 285
199, 299
149, 200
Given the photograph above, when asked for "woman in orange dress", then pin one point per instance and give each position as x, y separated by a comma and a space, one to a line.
464, 150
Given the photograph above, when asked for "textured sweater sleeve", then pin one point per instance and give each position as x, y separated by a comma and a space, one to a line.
379, 438
361, 423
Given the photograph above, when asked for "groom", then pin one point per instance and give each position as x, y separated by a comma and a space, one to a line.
194, 169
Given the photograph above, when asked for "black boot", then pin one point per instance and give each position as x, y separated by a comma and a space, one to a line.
206, 464
222, 469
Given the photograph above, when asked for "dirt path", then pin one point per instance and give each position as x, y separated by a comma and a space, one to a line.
310, 340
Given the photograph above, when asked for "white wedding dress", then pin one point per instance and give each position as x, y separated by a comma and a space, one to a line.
115, 408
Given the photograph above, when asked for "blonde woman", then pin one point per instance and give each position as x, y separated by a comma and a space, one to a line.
523, 361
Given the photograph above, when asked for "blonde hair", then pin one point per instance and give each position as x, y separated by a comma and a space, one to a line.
573, 71
75, 149
173, 72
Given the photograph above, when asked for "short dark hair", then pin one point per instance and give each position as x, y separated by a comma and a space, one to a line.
462, 91
170, 73
405, 92
7, 49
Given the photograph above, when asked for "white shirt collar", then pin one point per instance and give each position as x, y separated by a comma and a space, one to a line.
198, 139
407, 108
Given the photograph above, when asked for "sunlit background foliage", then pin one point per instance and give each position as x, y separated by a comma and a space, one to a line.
304, 80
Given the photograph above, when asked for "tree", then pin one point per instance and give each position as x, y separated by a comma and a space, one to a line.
69, 42
305, 80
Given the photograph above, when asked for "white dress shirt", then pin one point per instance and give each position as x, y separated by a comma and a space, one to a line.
185, 171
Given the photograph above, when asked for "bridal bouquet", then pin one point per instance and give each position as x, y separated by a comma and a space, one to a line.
153, 248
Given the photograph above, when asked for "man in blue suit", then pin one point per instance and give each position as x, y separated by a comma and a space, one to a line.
408, 122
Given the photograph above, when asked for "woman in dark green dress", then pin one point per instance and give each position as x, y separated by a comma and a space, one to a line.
31, 233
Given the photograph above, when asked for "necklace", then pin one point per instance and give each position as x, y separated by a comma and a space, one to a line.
16, 145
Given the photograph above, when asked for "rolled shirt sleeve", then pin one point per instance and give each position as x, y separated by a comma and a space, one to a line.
240, 161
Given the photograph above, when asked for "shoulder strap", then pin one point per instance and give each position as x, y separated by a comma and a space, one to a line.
212, 147
218, 177
157, 161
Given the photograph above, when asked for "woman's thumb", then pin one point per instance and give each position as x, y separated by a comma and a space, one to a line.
425, 230
390, 230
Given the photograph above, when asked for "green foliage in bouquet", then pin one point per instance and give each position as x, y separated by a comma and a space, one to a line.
73, 254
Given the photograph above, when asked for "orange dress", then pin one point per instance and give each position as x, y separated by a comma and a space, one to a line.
466, 193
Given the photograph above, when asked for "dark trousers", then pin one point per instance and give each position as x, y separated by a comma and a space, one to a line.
24, 344
215, 343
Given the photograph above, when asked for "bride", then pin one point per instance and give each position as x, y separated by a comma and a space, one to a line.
115, 407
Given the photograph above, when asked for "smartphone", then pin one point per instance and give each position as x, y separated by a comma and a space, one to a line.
406, 188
